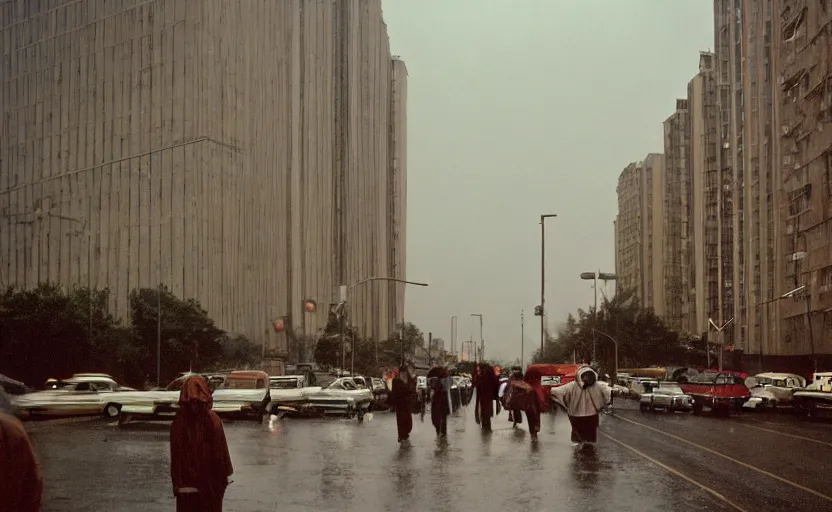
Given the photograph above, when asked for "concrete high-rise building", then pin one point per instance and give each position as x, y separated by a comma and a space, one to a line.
677, 222
653, 235
638, 232
803, 116
629, 248
712, 216
728, 38
761, 267
140, 146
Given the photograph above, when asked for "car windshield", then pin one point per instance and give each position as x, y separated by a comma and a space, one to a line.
284, 384
239, 383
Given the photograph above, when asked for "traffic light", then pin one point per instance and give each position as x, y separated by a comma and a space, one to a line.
310, 306
538, 311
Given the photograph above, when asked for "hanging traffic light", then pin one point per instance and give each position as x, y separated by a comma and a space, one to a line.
310, 306
538, 311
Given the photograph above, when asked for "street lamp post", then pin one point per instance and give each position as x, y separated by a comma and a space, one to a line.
540, 310
594, 277
344, 290
719, 329
482, 343
615, 375
453, 335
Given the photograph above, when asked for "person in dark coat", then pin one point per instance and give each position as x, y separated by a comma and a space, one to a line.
200, 465
538, 401
401, 399
439, 407
488, 387
515, 416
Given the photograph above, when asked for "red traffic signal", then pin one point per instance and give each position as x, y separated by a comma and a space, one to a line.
310, 306
279, 324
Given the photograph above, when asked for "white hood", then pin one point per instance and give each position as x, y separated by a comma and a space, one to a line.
583, 371
580, 401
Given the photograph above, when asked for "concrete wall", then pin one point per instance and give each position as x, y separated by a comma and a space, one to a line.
140, 146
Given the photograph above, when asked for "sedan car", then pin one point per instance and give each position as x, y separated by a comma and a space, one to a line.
666, 396
79, 395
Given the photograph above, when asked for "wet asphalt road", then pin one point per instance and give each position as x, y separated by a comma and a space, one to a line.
772, 463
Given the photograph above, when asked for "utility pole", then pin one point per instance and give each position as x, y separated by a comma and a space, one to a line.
522, 341
542, 307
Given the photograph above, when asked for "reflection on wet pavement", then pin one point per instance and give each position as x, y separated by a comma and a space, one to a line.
340, 465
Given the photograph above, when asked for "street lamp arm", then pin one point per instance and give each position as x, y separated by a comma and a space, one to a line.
366, 280
606, 336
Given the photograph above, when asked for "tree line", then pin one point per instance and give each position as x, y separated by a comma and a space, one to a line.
643, 338
51, 332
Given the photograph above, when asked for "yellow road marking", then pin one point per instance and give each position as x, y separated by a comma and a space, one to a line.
677, 473
731, 459
794, 436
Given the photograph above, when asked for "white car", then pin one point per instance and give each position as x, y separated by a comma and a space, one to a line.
81, 394
769, 390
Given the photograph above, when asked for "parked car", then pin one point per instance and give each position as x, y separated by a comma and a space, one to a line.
816, 398
343, 397
82, 394
666, 396
244, 393
770, 390
721, 392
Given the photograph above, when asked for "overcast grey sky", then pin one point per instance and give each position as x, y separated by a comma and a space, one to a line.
518, 108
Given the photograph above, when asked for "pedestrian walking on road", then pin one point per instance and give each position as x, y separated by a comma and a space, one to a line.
583, 399
21, 486
401, 398
487, 386
440, 406
538, 402
515, 416
200, 465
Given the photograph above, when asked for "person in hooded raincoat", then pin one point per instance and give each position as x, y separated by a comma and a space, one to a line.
401, 399
515, 416
21, 486
583, 399
440, 407
487, 386
538, 401
200, 465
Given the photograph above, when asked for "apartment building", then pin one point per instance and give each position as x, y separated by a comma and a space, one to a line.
676, 249
803, 58
139, 147
639, 235
652, 211
629, 248
710, 226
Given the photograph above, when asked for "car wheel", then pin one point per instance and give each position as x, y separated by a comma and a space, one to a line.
112, 410
642, 408
697, 408
773, 404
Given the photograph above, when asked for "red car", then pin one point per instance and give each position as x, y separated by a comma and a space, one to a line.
555, 375
722, 392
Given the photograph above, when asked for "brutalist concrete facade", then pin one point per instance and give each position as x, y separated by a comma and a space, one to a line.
677, 219
804, 75
246, 153
629, 246
639, 236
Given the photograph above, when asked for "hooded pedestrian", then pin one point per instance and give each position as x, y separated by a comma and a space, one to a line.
487, 386
21, 486
401, 398
440, 407
538, 402
583, 399
515, 416
200, 465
